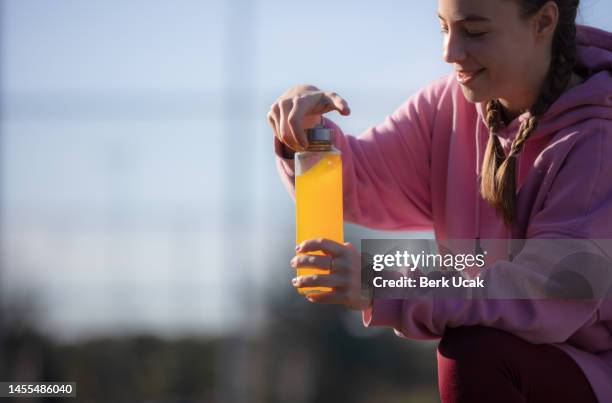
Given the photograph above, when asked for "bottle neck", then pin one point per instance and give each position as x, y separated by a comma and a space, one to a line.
319, 146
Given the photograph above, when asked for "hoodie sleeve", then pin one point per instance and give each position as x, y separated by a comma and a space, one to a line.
578, 206
386, 170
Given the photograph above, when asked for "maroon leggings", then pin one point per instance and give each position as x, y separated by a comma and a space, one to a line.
483, 364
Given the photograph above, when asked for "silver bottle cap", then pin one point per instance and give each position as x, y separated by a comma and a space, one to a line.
319, 133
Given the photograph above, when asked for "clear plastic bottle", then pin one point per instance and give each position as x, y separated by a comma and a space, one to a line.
318, 194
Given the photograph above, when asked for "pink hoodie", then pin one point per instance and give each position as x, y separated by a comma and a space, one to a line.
419, 170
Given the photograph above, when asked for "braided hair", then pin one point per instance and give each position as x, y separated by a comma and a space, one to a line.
498, 178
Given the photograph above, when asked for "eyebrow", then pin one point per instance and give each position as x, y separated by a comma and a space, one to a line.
468, 18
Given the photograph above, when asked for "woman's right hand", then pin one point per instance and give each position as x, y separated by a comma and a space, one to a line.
300, 108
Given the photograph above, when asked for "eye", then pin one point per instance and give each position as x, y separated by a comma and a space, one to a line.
444, 30
474, 34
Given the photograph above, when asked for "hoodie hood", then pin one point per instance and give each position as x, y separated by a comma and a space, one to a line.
590, 99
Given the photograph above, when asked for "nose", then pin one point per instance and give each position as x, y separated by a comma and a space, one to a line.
454, 49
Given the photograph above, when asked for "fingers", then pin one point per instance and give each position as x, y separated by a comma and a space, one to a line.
287, 111
287, 115
272, 122
344, 277
326, 298
287, 132
296, 117
274, 119
338, 103
326, 245
321, 280
327, 102
322, 262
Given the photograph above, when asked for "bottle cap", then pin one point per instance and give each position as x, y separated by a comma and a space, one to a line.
319, 134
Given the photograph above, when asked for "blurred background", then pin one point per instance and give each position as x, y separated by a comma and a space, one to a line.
145, 234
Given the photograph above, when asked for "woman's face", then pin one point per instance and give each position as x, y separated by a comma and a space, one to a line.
496, 53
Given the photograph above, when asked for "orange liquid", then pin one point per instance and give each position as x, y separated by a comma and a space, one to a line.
318, 194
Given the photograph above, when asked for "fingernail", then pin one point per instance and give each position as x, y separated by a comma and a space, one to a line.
292, 262
297, 247
294, 280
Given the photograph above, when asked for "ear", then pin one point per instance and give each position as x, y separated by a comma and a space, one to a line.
545, 21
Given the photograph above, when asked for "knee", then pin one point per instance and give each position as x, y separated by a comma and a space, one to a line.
472, 364
473, 344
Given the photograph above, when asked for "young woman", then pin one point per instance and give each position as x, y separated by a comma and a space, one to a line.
524, 124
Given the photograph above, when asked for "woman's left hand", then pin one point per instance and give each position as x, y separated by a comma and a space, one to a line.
344, 277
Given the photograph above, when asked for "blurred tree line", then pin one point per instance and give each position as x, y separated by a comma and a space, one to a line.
307, 353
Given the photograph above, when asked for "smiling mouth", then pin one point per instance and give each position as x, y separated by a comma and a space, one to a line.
467, 77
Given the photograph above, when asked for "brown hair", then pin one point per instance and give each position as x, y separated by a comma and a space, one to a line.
498, 183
